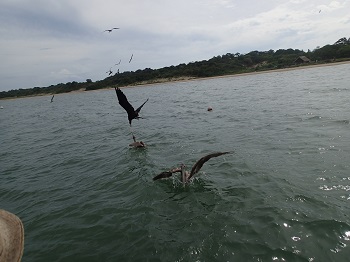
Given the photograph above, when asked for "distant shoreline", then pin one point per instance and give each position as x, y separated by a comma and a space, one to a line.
183, 79
187, 79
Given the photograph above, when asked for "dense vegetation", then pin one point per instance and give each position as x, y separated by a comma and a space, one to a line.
216, 66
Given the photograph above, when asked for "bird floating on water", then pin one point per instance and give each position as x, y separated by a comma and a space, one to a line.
110, 30
185, 175
123, 101
137, 144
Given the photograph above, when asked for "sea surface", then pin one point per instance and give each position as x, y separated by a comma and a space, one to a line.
283, 194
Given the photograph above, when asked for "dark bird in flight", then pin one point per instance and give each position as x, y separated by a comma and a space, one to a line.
110, 30
52, 98
185, 175
109, 72
123, 101
131, 57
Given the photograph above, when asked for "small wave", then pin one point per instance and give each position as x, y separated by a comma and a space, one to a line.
314, 118
328, 120
334, 89
343, 122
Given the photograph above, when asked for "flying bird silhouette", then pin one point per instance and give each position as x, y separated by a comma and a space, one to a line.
109, 72
110, 30
185, 175
131, 57
118, 62
52, 98
123, 101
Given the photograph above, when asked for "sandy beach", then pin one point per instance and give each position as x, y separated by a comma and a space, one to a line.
186, 79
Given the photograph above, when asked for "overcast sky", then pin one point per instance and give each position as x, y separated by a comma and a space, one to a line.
44, 42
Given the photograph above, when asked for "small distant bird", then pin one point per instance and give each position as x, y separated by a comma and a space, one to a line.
185, 175
52, 98
110, 30
123, 101
118, 62
131, 57
319, 11
210, 108
109, 72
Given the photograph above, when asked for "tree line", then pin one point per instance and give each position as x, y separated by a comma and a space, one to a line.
230, 63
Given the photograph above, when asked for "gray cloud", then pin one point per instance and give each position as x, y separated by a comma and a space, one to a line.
46, 42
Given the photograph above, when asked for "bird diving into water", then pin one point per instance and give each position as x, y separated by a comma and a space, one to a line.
185, 175
123, 101
110, 30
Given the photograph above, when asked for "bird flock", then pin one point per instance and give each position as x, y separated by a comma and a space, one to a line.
185, 175
110, 72
134, 114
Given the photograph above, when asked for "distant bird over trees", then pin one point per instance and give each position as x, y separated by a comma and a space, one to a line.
109, 72
131, 57
110, 30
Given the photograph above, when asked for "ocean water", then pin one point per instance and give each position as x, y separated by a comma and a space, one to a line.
283, 194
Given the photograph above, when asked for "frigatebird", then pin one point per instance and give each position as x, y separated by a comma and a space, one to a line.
123, 101
131, 57
185, 175
110, 30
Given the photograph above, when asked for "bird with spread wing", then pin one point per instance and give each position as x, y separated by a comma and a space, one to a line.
110, 30
185, 175
123, 101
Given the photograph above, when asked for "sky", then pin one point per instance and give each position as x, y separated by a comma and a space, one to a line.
47, 42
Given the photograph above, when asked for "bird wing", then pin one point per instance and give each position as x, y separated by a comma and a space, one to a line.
162, 175
139, 109
123, 101
167, 174
198, 165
